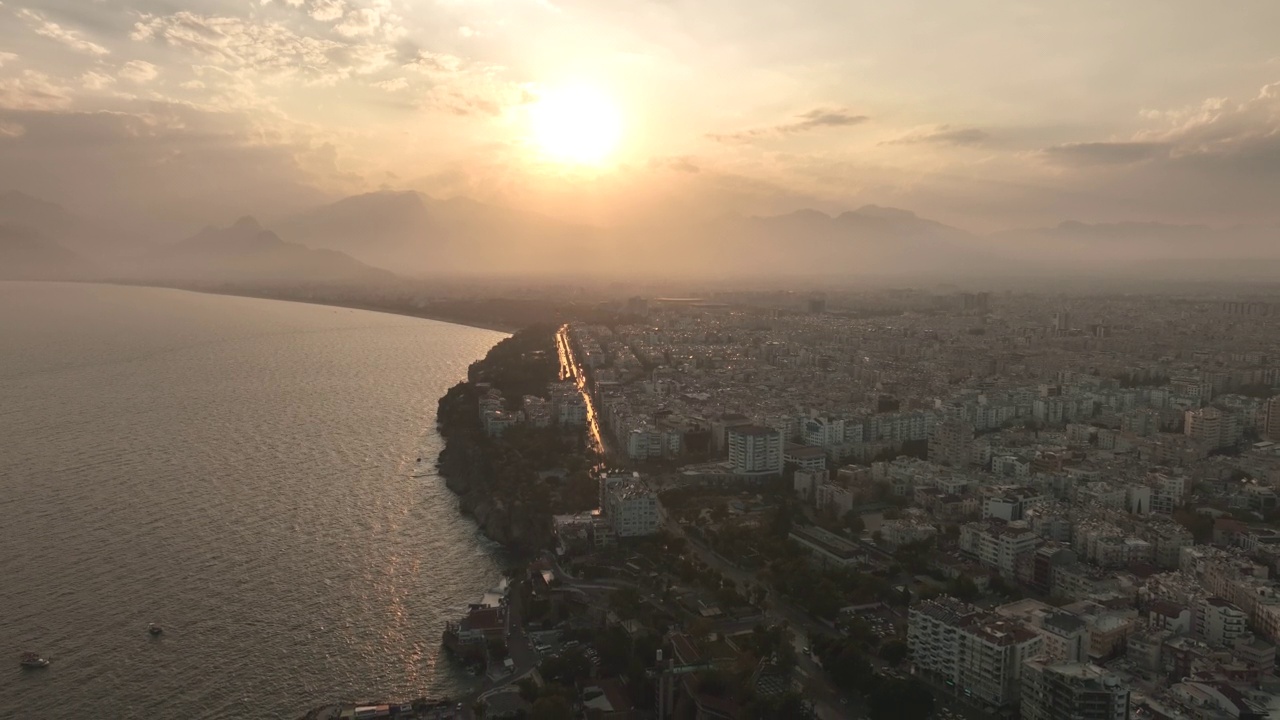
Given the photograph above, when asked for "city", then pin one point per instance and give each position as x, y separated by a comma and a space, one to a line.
1020, 505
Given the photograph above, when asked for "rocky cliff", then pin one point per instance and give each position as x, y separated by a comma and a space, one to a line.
488, 476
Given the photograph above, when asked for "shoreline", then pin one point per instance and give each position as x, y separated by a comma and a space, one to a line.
437, 317
495, 327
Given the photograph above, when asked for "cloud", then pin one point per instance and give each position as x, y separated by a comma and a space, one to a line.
942, 135
811, 120
170, 163
32, 91
7, 57
11, 130
139, 71
326, 10
95, 80
364, 21
268, 48
393, 85
1106, 153
431, 63
682, 164
54, 31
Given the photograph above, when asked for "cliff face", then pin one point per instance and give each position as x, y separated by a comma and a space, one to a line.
467, 466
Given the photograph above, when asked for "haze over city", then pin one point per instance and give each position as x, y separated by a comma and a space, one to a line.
1152, 130
640, 359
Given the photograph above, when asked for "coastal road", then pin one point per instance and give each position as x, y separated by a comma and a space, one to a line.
571, 369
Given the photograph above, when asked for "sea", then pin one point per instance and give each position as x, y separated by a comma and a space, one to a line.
257, 477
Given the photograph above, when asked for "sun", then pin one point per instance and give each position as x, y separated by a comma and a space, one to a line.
578, 125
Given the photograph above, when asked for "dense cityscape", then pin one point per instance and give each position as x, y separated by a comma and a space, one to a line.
912, 505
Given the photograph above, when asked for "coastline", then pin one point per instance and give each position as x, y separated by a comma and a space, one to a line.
437, 317
388, 310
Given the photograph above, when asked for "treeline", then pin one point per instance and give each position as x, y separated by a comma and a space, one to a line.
887, 697
514, 483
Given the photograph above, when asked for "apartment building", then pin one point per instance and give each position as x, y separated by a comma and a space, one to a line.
1213, 427
629, 505
951, 443
755, 451
1072, 691
1220, 622
997, 544
977, 655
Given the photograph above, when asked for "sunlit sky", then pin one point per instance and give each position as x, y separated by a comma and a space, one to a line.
988, 114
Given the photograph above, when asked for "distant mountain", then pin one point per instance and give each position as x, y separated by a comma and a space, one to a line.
96, 241
415, 234
246, 252
47, 218
26, 254
1138, 247
869, 241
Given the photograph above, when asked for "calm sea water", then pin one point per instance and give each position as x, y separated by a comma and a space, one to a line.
242, 472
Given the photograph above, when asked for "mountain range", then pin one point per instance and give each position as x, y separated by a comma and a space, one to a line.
366, 238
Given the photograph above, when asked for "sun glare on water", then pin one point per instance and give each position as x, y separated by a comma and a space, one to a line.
577, 125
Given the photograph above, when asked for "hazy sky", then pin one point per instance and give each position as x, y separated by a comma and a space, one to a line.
984, 113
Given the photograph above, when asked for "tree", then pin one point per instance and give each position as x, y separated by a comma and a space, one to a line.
853, 521
893, 652
551, 707
894, 699
963, 588
528, 689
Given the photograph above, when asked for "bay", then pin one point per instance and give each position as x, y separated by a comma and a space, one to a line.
242, 472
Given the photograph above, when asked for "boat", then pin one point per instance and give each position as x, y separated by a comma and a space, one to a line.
154, 629
32, 660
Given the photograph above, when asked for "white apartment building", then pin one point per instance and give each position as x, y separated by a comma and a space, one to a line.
1167, 492
1008, 504
1219, 622
1272, 428
755, 450
1213, 427
978, 654
630, 507
822, 431
570, 409
1010, 466
645, 442
1072, 691
997, 545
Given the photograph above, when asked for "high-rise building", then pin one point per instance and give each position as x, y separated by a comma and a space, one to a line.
977, 654
630, 506
755, 450
1220, 622
1072, 691
1062, 321
1273, 419
1213, 427
951, 443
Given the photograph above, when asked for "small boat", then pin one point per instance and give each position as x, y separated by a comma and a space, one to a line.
154, 629
32, 660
